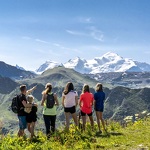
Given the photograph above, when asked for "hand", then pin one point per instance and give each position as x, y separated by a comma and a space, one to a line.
34, 87
24, 103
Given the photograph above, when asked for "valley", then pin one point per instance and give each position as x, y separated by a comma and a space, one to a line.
121, 99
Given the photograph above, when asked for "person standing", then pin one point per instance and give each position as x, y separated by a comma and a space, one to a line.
31, 116
69, 102
99, 98
86, 103
22, 104
49, 102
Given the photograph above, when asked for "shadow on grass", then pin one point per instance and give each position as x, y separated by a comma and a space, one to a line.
108, 134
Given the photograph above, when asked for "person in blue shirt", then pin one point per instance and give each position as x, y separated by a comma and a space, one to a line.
99, 98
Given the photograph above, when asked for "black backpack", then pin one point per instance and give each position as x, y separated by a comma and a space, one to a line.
15, 104
50, 101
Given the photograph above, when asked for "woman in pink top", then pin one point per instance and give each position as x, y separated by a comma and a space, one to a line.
86, 103
69, 102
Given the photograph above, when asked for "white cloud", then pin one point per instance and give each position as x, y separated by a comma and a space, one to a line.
56, 44
90, 32
76, 33
37, 40
96, 34
41, 41
85, 19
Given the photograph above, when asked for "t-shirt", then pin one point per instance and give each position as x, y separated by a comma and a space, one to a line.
86, 100
32, 114
49, 111
69, 100
21, 112
99, 99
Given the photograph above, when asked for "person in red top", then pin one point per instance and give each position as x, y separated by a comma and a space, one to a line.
86, 103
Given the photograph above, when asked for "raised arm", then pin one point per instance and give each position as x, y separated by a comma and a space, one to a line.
31, 90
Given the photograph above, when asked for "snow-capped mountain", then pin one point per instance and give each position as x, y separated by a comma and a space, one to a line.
77, 64
47, 65
109, 62
18, 67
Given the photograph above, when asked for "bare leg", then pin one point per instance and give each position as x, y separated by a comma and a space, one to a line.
32, 129
29, 127
102, 120
84, 121
21, 132
98, 119
74, 116
67, 120
91, 121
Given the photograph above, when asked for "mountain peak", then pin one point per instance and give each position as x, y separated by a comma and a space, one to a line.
18, 67
76, 59
109, 62
47, 65
111, 56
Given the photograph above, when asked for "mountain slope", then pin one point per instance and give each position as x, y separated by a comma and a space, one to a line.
14, 73
126, 79
120, 101
59, 76
125, 102
7, 85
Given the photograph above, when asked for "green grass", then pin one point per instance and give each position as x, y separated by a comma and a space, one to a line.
134, 137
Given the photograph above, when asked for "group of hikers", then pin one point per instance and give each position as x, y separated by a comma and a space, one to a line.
27, 113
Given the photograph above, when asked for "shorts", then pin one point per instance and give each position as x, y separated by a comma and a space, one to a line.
99, 109
31, 118
22, 122
71, 110
83, 114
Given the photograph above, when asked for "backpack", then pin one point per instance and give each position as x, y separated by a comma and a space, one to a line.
15, 104
50, 101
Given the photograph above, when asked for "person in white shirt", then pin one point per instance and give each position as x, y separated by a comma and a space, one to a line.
69, 102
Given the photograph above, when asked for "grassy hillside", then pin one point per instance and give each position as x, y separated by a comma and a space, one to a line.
120, 101
133, 137
59, 76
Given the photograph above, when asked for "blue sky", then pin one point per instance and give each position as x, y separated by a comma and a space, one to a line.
33, 31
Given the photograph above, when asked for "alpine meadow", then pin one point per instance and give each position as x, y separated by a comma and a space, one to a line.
75, 74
